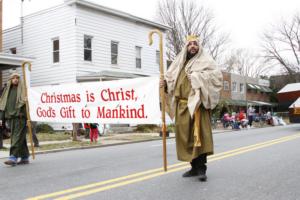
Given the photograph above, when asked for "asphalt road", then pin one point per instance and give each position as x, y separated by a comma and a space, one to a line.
251, 164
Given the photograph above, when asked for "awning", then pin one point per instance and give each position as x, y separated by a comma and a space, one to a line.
251, 86
267, 89
259, 88
8, 61
234, 102
262, 103
107, 74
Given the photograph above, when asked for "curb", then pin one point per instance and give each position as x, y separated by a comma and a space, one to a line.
105, 145
92, 147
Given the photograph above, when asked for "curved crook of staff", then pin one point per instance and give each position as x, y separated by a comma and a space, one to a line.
24, 64
162, 93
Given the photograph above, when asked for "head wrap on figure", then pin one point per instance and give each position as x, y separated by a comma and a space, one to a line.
206, 79
21, 99
13, 74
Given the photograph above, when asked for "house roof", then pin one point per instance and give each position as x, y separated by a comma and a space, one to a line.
8, 61
99, 8
116, 13
290, 88
295, 104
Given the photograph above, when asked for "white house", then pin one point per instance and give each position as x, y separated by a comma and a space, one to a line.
83, 41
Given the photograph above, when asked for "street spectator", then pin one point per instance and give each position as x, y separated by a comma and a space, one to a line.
226, 120
13, 107
235, 120
87, 130
251, 113
243, 122
269, 118
94, 132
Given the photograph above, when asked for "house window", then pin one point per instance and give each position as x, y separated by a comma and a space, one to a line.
242, 88
234, 89
226, 85
114, 52
13, 50
157, 57
55, 43
138, 57
87, 47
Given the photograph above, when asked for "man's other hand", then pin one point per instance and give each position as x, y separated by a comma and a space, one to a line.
189, 77
162, 83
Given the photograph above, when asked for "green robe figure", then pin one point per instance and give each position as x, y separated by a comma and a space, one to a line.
193, 83
13, 107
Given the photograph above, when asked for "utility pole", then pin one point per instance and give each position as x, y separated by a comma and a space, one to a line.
1, 14
1, 131
22, 21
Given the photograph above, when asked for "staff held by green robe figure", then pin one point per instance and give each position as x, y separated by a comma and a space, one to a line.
162, 95
192, 84
13, 107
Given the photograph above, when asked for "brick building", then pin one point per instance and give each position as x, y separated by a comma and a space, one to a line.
240, 91
226, 92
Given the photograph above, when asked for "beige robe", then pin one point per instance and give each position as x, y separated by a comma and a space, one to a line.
186, 97
184, 124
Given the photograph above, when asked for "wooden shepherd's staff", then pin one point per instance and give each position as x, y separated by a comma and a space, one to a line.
27, 107
162, 92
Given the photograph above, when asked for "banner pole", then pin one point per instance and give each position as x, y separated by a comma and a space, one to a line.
27, 107
162, 92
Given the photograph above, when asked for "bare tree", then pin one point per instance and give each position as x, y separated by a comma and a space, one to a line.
246, 63
281, 45
186, 17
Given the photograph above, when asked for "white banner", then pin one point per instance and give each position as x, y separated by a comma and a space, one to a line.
130, 101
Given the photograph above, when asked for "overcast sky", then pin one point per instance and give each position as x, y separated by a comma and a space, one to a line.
245, 20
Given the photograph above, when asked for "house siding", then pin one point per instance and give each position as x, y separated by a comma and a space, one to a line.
38, 32
70, 23
105, 28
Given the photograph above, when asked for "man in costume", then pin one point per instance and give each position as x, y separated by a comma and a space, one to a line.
193, 83
12, 106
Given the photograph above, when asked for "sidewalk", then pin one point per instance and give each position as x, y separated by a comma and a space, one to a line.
103, 141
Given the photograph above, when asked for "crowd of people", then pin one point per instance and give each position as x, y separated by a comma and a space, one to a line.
242, 119
236, 120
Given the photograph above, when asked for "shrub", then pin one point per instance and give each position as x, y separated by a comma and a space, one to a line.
81, 131
171, 128
44, 128
147, 128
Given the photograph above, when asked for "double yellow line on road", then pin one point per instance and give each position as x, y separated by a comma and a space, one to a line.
93, 188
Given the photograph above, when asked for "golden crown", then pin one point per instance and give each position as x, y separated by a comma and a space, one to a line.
191, 38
